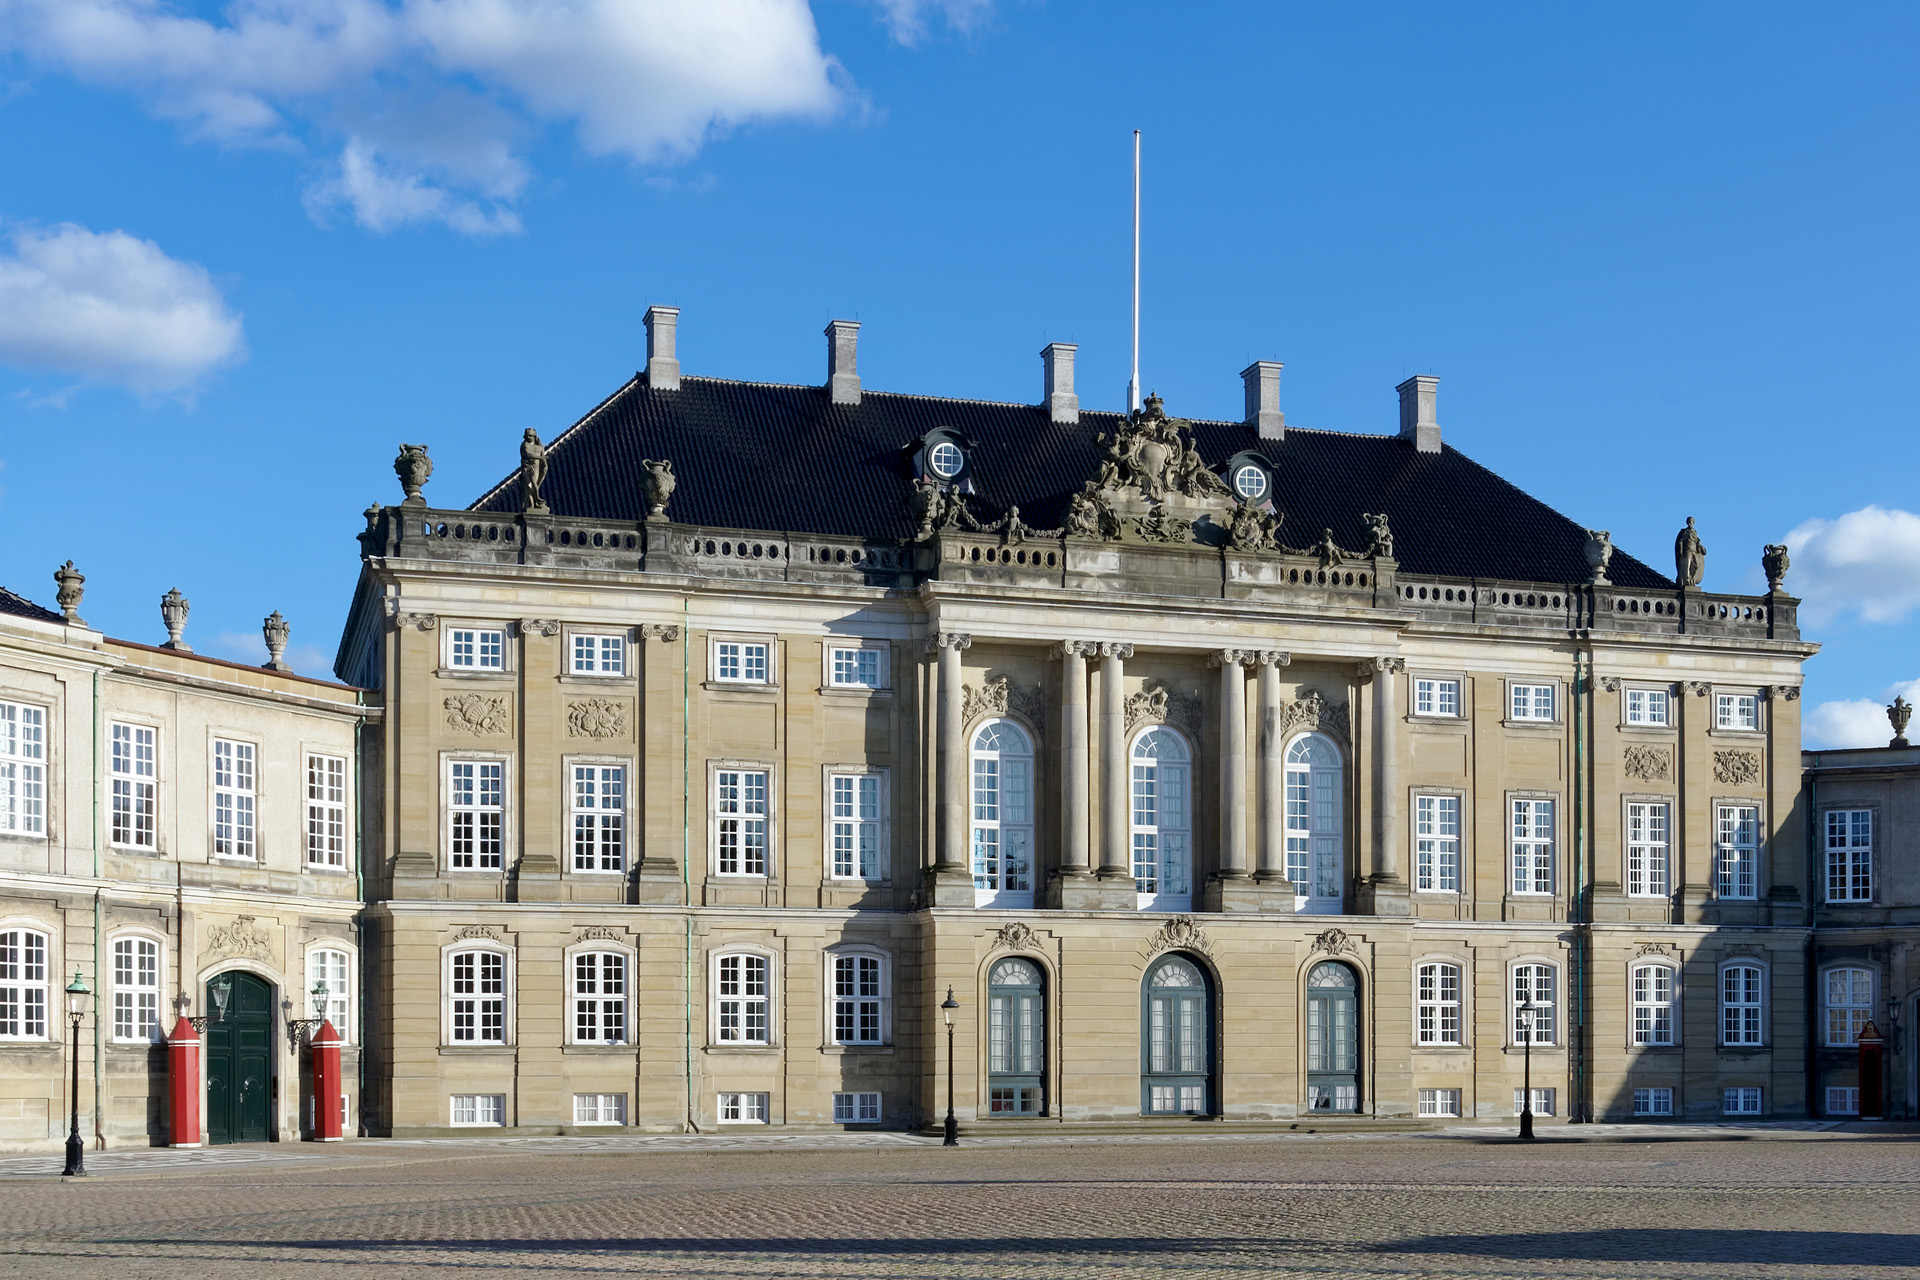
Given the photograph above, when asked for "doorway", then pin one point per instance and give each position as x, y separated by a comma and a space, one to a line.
239, 1060
1176, 1039
1333, 1039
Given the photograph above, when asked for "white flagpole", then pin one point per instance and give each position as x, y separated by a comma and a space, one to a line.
1133, 386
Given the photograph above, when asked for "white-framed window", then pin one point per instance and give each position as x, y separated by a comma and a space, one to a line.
859, 999
1848, 997
1530, 701
1002, 762
136, 990
477, 997
326, 811
1740, 1102
470, 1109
1736, 829
1843, 1100
599, 803
23, 769
1543, 1101
1736, 711
1438, 1011
1648, 850
743, 1108
741, 661
1538, 982
740, 1004
856, 826
233, 799
1436, 834
23, 984
1440, 1102
1653, 1102
1315, 823
740, 822
1433, 696
1647, 708
852, 667
1162, 826
476, 649
599, 1108
1849, 855
331, 968
599, 980
856, 1108
1250, 482
1653, 1004
1742, 1005
597, 654
136, 788
476, 814
1533, 836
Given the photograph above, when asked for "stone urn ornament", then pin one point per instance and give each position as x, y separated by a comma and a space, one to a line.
1599, 554
173, 611
1897, 715
275, 631
413, 466
69, 585
657, 483
1774, 562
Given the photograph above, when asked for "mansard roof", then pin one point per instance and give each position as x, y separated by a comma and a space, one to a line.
785, 459
21, 607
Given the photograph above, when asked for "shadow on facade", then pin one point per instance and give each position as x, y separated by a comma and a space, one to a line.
1806, 1248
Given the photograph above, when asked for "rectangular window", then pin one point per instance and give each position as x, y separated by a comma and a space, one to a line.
599, 817
479, 997
1439, 1004
1740, 711
743, 1108
1440, 1102
1647, 707
740, 821
856, 1108
1740, 1005
1533, 846
326, 811
1849, 855
741, 1001
1652, 1004
329, 969
23, 769
1737, 849
1653, 1102
476, 803
479, 1109
1437, 842
599, 1108
1849, 1002
1533, 982
599, 655
23, 985
1436, 697
1530, 701
600, 997
857, 993
233, 799
856, 826
135, 788
1542, 1102
476, 649
136, 989
856, 669
1740, 1102
1843, 1101
739, 663
1647, 850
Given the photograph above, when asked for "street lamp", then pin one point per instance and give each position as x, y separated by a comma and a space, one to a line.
78, 994
1526, 1012
953, 1126
316, 1005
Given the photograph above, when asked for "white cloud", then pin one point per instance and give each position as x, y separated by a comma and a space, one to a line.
432, 97
111, 307
907, 20
1856, 722
1865, 564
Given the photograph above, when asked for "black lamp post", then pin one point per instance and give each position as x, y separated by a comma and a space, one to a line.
1525, 1013
77, 996
953, 1126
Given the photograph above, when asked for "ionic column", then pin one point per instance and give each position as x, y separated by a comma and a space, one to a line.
950, 803
1233, 763
1386, 774
1116, 858
1272, 850
1074, 811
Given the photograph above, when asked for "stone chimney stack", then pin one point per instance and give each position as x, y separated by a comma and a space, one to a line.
843, 375
1418, 423
1262, 380
1063, 406
663, 362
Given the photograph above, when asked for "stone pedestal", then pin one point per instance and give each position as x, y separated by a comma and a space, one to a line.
1248, 895
1385, 895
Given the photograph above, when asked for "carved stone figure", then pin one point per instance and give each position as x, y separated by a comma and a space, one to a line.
1011, 528
1157, 704
533, 471
1270, 530
1380, 537
1689, 556
173, 611
1161, 525
1328, 550
69, 585
413, 466
1154, 454
1000, 696
275, 631
1774, 561
1311, 711
1083, 514
1246, 533
927, 505
658, 484
1599, 551
1897, 715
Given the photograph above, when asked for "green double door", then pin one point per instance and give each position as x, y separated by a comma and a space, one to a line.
239, 1060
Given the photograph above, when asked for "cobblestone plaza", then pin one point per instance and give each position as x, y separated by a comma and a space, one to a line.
1766, 1201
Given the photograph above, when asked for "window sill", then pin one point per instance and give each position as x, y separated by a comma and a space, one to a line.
750, 688
234, 860
853, 691
1534, 724
336, 873
744, 1050
1745, 1050
1438, 721
1440, 1050
600, 1050
856, 1050
453, 673
1653, 1048
1520, 1050
1739, 735
476, 1050
583, 679
1654, 730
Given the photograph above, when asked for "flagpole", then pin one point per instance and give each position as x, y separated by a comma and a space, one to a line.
1133, 385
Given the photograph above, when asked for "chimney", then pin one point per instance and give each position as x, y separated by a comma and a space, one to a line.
663, 364
1262, 380
1418, 395
843, 377
1063, 406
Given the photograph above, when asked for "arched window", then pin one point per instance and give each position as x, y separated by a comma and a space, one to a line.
1177, 1040
23, 985
477, 997
1016, 1039
1002, 815
1652, 1004
1538, 984
1741, 1003
1333, 1038
1314, 829
1439, 1001
136, 990
332, 969
599, 997
1849, 1000
860, 998
741, 1014
1162, 820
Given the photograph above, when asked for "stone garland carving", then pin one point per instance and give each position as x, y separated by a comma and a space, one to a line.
1652, 949
1649, 764
596, 718
1743, 949
1334, 942
1158, 704
482, 932
1315, 712
1736, 768
600, 933
1182, 933
240, 938
476, 713
1001, 696
1016, 937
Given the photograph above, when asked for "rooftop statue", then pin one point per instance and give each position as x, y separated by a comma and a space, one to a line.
1773, 559
1599, 553
928, 505
1897, 715
1380, 540
657, 484
413, 466
1689, 556
1155, 455
533, 471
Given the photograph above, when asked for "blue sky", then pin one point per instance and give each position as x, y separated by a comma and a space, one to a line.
1661, 257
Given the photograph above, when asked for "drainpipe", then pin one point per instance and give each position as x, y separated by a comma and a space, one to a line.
1579, 1111
686, 844
1816, 1105
99, 1050
361, 923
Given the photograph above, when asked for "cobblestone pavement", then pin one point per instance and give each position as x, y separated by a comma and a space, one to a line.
1806, 1201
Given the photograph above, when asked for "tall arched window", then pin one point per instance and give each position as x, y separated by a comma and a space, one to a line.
1016, 1039
1652, 1004
1162, 820
1315, 846
1002, 815
1742, 1005
1177, 1040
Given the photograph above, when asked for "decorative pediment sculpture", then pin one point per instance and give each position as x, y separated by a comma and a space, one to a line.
1182, 933
1017, 936
1162, 525
1254, 530
241, 938
1157, 704
1155, 456
1000, 697
1775, 562
1689, 556
1334, 942
1313, 712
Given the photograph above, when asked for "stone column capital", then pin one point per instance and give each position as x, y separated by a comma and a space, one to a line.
1232, 658
1072, 649
1115, 649
1271, 658
1367, 668
1783, 692
948, 640
656, 631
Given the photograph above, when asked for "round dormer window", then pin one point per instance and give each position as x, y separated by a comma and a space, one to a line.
1250, 482
945, 460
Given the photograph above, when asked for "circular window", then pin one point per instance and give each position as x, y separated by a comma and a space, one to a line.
1250, 482
945, 460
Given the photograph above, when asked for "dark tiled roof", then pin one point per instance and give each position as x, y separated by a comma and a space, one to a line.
21, 607
785, 459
